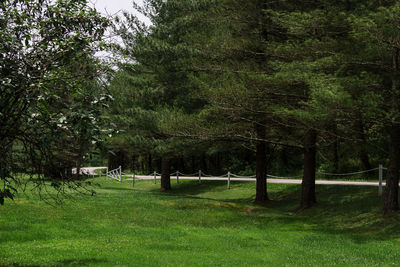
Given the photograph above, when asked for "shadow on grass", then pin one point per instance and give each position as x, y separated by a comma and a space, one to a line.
189, 188
116, 188
353, 211
18, 265
80, 262
192, 190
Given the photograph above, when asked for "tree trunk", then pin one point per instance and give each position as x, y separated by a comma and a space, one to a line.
116, 159
141, 160
335, 147
284, 157
392, 179
150, 164
260, 128
133, 163
159, 165
261, 165
335, 150
78, 165
165, 177
218, 162
182, 165
68, 172
203, 163
193, 164
364, 158
391, 198
348, 5
308, 184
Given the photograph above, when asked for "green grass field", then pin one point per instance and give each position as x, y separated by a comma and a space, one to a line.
199, 225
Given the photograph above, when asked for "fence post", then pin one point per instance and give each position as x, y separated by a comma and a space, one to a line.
120, 173
155, 178
229, 180
199, 176
380, 178
133, 180
107, 174
177, 177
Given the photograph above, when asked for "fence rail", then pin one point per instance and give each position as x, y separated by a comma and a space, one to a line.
115, 174
200, 175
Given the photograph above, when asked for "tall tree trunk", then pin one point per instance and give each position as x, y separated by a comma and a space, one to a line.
364, 158
79, 163
78, 169
348, 5
392, 178
308, 184
218, 162
193, 164
150, 164
116, 159
284, 157
165, 177
335, 148
133, 163
391, 198
68, 171
182, 165
142, 166
159, 165
261, 165
203, 163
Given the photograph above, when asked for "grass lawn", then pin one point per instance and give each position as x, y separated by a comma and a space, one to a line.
200, 225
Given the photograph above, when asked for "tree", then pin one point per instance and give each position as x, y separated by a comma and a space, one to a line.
375, 53
305, 63
42, 44
155, 76
233, 69
266, 75
353, 52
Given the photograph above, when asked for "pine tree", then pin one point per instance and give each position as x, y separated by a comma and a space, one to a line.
156, 76
373, 58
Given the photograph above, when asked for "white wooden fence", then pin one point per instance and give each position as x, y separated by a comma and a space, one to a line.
117, 174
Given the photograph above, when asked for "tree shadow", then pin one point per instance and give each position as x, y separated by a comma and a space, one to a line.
117, 188
353, 211
190, 188
80, 262
18, 265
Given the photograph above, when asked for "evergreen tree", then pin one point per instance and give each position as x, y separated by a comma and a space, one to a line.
373, 59
156, 77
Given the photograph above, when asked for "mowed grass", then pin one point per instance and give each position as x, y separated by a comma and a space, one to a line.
200, 225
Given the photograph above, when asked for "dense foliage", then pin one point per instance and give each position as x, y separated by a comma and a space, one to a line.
246, 86
49, 87
280, 86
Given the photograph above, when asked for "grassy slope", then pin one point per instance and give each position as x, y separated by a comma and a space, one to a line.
200, 225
